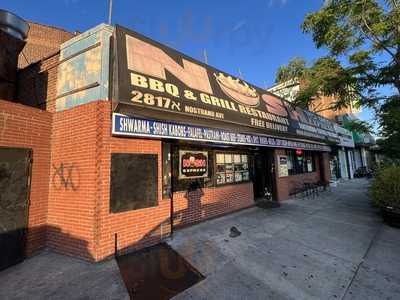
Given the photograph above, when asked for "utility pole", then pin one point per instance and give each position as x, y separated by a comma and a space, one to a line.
110, 3
205, 56
240, 73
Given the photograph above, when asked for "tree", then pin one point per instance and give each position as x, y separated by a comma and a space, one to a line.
358, 126
367, 35
295, 69
390, 124
324, 77
363, 40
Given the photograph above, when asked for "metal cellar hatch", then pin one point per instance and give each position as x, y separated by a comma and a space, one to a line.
158, 272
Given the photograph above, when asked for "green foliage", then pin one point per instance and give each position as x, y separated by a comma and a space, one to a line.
326, 76
367, 33
390, 128
385, 187
344, 25
295, 69
363, 40
358, 126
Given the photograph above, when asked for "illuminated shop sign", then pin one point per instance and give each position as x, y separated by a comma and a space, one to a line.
123, 125
157, 79
193, 164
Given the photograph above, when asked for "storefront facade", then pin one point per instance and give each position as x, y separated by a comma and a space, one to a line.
342, 156
144, 140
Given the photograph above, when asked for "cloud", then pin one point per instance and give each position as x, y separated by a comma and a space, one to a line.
277, 2
239, 25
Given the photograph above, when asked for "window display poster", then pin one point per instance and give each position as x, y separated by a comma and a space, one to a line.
309, 165
283, 166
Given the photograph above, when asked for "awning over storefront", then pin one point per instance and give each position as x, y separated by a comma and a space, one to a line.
138, 127
345, 136
155, 82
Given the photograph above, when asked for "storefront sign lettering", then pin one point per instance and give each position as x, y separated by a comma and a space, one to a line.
137, 127
158, 79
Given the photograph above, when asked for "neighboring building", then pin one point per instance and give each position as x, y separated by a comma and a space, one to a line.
42, 41
322, 105
363, 157
115, 147
356, 158
344, 152
286, 90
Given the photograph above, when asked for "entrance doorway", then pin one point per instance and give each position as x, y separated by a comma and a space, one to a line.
264, 173
15, 168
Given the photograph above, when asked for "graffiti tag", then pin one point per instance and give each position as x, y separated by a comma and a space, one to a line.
66, 176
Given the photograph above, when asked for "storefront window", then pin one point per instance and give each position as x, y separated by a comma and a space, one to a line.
186, 167
189, 168
300, 162
231, 168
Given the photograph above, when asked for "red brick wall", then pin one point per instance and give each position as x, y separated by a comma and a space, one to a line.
71, 183
79, 218
325, 167
136, 228
207, 203
37, 84
144, 227
26, 127
42, 41
72, 214
286, 185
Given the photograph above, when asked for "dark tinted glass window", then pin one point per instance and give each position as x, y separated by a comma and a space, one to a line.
133, 181
300, 163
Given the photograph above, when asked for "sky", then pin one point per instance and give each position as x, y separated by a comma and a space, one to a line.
252, 38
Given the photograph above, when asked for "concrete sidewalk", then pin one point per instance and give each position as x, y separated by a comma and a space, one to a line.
331, 247
54, 276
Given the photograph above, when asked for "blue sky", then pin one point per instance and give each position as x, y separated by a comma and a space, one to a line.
254, 36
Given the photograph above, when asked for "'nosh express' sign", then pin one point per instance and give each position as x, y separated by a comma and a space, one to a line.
193, 164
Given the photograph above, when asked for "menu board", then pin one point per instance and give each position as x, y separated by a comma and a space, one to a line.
231, 168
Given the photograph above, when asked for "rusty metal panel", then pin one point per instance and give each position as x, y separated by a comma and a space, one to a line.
14, 192
83, 73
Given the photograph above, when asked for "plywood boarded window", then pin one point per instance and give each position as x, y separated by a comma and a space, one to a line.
133, 181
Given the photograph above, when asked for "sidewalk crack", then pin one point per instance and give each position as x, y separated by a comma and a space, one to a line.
378, 231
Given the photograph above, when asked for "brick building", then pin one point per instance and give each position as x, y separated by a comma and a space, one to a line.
121, 140
42, 42
352, 154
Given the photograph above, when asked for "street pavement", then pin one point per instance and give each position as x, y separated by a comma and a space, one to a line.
334, 246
